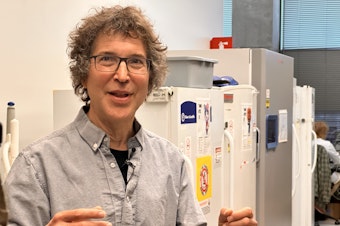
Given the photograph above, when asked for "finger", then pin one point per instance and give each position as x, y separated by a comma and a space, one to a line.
240, 214
243, 222
89, 223
224, 214
79, 215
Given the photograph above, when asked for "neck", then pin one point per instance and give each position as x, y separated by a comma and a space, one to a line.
119, 131
119, 138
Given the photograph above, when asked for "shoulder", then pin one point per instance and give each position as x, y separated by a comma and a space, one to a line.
326, 144
51, 149
155, 140
54, 140
322, 141
45, 155
160, 146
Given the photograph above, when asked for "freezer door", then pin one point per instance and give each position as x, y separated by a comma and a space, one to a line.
240, 143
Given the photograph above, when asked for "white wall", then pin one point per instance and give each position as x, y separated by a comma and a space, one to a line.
33, 42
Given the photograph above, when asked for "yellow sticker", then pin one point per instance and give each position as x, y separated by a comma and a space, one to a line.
204, 177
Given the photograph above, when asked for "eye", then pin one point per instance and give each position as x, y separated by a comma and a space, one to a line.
107, 59
137, 61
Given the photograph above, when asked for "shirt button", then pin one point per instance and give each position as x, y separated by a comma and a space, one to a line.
127, 198
95, 146
112, 165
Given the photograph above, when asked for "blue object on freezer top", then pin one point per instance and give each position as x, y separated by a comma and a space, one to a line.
10, 103
225, 80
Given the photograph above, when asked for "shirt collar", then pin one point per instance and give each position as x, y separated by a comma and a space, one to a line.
94, 136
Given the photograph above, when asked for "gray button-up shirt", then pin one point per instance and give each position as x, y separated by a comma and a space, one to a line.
74, 168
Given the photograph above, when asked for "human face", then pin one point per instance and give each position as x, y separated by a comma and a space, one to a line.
115, 96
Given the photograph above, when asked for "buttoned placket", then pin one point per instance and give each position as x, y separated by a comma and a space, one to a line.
129, 207
115, 181
126, 207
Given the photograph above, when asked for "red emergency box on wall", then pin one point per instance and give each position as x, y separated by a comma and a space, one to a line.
221, 43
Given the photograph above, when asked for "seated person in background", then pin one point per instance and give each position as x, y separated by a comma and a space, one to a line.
104, 168
337, 142
321, 129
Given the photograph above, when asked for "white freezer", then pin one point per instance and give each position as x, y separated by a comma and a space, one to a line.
304, 156
192, 118
240, 145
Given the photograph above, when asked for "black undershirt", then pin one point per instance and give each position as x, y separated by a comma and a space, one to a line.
121, 157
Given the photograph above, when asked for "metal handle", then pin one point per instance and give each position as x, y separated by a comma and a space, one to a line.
295, 178
315, 152
231, 168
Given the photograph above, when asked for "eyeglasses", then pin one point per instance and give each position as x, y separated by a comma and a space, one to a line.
110, 63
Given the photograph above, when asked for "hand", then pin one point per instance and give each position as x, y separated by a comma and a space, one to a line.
242, 217
79, 217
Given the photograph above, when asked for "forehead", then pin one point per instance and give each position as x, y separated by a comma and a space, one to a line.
119, 44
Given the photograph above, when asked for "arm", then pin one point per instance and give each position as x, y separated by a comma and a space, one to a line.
26, 201
243, 217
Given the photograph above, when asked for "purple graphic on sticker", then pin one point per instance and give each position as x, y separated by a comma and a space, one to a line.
188, 112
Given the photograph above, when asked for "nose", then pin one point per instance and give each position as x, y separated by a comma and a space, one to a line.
122, 73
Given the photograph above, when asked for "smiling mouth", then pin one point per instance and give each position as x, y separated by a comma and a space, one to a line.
119, 94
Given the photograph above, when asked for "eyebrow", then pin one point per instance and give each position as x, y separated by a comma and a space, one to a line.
115, 54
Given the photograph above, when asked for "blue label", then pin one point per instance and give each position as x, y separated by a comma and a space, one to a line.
188, 112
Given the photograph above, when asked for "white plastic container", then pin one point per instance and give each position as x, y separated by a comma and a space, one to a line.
190, 71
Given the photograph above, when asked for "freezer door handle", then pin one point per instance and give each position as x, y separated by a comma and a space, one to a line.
228, 136
297, 152
258, 138
6, 148
315, 152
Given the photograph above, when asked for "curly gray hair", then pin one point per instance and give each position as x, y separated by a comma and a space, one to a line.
128, 21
